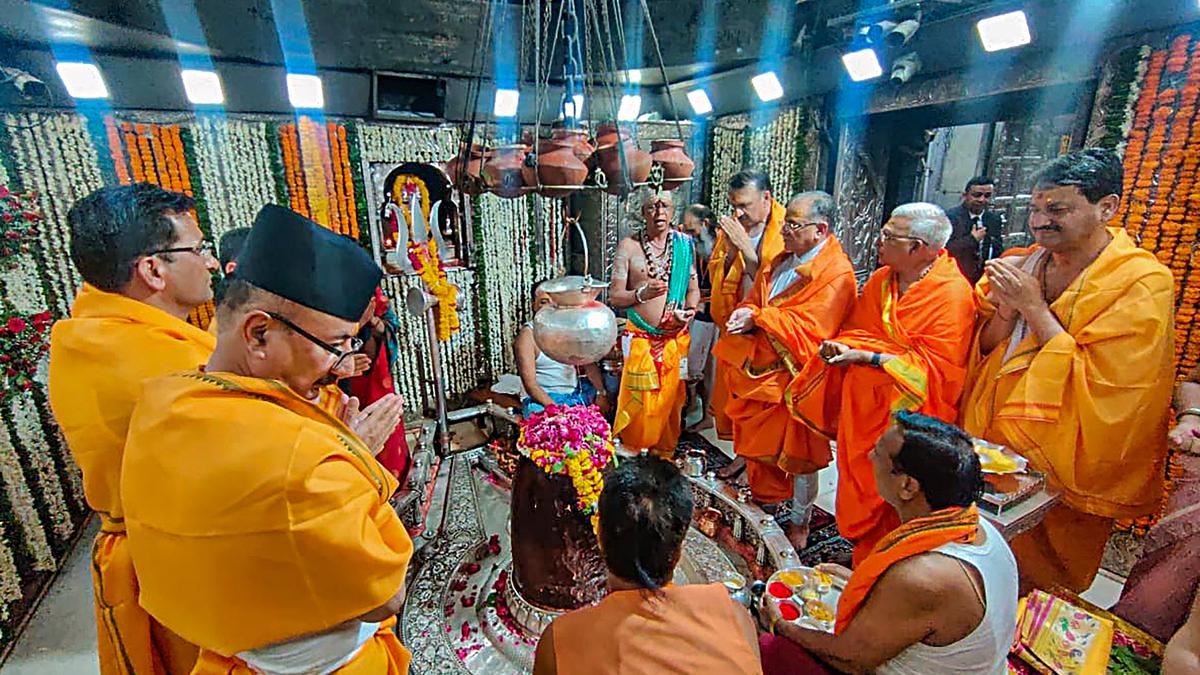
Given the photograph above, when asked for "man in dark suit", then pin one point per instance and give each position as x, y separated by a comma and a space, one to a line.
978, 233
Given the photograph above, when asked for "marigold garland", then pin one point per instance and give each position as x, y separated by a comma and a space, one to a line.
424, 259
1162, 187
319, 175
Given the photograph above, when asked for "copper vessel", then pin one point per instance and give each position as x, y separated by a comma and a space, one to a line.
502, 171
471, 180
676, 165
558, 165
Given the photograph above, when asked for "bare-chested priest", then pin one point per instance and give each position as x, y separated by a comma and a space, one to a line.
654, 277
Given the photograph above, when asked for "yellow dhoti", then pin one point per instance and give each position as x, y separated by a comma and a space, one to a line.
129, 640
652, 393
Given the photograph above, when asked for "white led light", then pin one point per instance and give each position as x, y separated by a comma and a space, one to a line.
506, 103
574, 107
203, 87
635, 76
862, 65
701, 105
82, 80
304, 91
767, 86
631, 107
1004, 31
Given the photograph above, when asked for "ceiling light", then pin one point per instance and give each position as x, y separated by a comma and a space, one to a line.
82, 80
203, 87
862, 65
767, 86
506, 103
701, 105
304, 91
573, 107
1003, 31
631, 106
902, 33
635, 76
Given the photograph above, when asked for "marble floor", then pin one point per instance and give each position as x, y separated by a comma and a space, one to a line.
61, 637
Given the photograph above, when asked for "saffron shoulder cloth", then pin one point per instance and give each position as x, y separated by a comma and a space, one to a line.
1091, 407
920, 535
790, 327
255, 516
98, 360
927, 329
727, 282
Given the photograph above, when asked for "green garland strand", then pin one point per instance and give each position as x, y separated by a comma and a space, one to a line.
271, 130
360, 191
99, 137
709, 166
189, 159
8, 159
1117, 102
800, 154
481, 341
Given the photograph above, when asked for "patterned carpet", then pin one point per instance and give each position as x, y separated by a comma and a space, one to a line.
825, 544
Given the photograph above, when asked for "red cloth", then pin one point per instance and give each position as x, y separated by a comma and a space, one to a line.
781, 656
374, 385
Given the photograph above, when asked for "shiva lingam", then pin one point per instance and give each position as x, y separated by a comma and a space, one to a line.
575, 328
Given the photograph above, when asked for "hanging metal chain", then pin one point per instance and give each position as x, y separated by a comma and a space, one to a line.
662, 68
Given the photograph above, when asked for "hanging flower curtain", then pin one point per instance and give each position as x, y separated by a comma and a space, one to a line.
318, 174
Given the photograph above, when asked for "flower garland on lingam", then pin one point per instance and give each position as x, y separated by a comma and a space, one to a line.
574, 441
24, 340
18, 225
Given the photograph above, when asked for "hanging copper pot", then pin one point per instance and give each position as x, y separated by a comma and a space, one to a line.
471, 180
606, 134
559, 165
502, 172
676, 165
578, 138
638, 162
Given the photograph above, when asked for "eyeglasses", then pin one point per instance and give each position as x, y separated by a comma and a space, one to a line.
355, 343
796, 227
202, 249
888, 235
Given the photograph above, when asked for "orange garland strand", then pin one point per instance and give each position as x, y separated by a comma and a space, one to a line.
114, 149
135, 158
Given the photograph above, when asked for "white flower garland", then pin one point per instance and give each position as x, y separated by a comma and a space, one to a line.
234, 162
21, 498
1135, 90
10, 577
55, 156
30, 432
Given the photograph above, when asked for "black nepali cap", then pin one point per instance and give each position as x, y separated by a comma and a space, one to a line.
297, 259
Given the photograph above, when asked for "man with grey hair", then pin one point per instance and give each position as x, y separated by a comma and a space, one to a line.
800, 300
654, 279
904, 347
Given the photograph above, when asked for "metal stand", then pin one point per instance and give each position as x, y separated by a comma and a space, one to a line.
420, 303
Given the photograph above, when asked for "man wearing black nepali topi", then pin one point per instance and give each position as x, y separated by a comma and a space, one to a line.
278, 550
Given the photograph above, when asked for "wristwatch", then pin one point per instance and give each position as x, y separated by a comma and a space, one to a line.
875, 359
1184, 413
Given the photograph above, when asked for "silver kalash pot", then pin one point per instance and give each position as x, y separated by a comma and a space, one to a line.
575, 328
